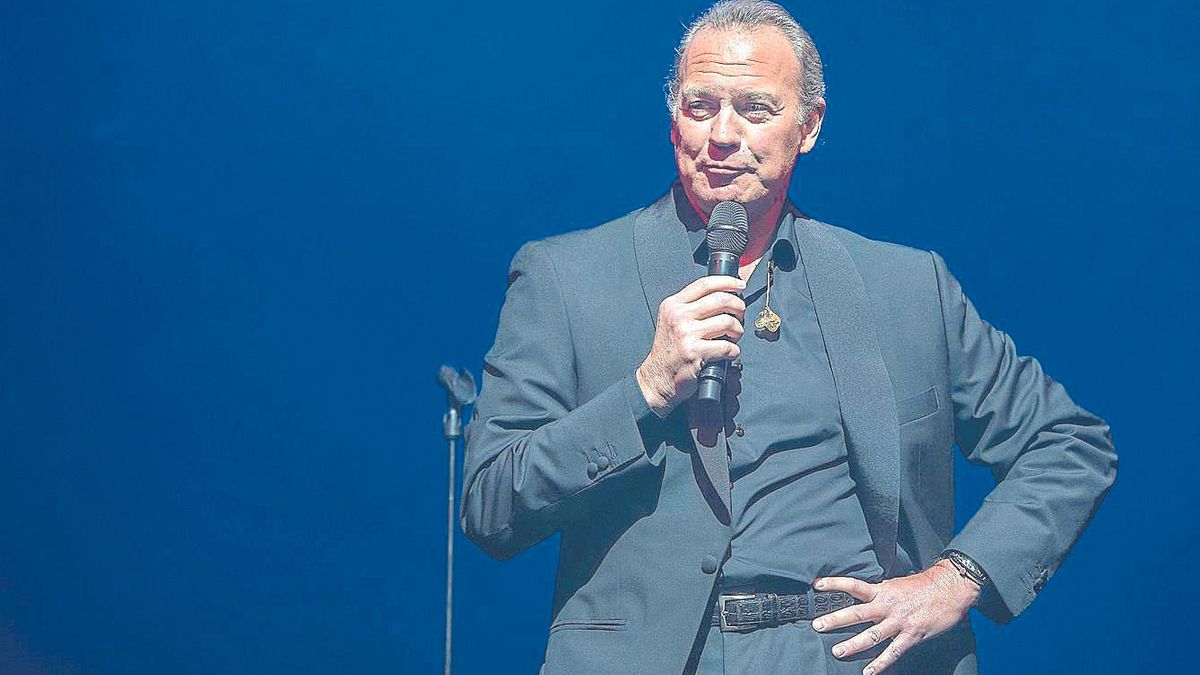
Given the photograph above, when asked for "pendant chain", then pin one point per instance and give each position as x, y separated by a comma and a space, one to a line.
770, 275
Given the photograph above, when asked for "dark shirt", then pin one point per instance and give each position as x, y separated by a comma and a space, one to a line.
795, 511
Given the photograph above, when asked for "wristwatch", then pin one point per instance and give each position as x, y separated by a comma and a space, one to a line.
967, 568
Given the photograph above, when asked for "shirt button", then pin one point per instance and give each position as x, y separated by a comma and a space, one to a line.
709, 564
739, 430
602, 462
592, 469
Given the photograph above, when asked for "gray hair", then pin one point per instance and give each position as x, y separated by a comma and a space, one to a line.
745, 15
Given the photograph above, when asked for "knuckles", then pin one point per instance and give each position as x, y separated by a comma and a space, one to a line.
734, 326
690, 350
666, 311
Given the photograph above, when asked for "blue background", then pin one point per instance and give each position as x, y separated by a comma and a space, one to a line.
238, 239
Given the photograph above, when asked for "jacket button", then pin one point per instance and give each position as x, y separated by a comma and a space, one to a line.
602, 461
592, 469
739, 430
709, 564
1040, 582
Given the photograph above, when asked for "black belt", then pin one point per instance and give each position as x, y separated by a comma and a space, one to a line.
747, 611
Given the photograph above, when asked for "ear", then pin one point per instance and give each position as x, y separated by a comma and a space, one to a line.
674, 132
811, 128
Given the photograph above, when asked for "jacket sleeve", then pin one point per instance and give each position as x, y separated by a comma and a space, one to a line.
1053, 461
532, 447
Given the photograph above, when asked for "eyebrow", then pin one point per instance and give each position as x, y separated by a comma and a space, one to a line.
706, 92
748, 96
762, 97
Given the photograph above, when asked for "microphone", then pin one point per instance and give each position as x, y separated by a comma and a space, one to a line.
728, 234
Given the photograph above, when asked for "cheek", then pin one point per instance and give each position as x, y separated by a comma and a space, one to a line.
778, 151
690, 138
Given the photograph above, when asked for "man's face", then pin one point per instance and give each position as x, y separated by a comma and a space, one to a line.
736, 129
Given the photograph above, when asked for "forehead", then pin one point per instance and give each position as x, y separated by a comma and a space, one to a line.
758, 58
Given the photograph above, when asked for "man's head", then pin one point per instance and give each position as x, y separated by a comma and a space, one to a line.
746, 98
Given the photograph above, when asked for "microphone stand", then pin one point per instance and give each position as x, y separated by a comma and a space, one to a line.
460, 392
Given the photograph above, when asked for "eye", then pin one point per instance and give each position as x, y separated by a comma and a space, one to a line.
699, 108
758, 111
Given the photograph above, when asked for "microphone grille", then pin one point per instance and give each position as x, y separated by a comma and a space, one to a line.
728, 231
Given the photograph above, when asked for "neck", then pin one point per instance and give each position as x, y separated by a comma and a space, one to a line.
763, 219
763, 216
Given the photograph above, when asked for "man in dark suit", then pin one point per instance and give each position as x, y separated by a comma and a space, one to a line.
806, 525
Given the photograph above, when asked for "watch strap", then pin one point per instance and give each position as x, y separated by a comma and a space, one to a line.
966, 567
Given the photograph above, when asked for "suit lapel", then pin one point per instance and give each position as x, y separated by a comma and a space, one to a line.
665, 265
864, 387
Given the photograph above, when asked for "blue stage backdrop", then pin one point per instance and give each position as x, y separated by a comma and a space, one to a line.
239, 237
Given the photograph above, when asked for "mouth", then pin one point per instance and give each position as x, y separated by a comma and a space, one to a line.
724, 170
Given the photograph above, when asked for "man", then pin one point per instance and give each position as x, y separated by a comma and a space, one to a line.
806, 525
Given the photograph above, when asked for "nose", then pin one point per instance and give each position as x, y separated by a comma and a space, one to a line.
726, 132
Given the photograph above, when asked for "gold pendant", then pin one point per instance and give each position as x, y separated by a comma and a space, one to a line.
768, 321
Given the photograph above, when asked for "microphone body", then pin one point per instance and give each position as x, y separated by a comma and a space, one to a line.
728, 234
712, 376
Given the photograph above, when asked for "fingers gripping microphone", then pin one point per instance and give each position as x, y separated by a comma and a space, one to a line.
728, 234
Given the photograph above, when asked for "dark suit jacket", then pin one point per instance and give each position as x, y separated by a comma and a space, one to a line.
557, 442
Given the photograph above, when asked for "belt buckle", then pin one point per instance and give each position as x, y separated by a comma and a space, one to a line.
725, 625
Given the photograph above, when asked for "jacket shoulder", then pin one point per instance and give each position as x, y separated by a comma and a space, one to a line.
875, 251
890, 270
606, 246
604, 238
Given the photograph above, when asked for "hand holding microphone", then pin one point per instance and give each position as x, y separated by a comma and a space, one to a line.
698, 327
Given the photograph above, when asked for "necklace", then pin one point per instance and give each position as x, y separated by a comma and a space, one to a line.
767, 319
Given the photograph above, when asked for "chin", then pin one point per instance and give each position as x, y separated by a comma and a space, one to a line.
731, 192
702, 187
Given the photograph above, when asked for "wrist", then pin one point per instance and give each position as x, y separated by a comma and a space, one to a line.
658, 403
964, 587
